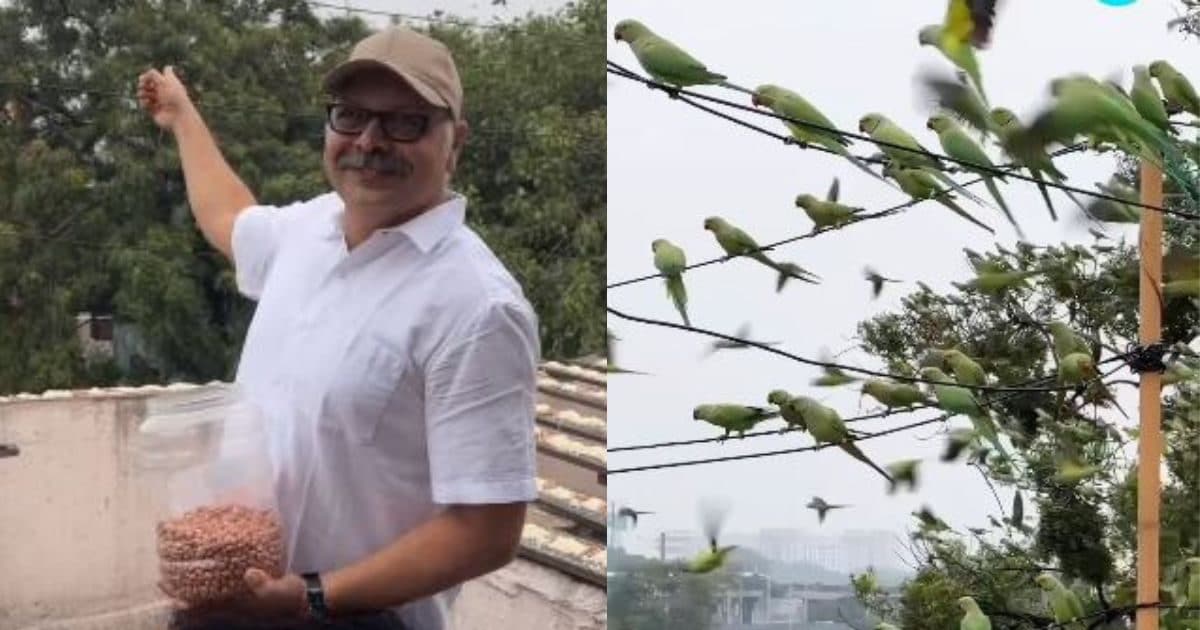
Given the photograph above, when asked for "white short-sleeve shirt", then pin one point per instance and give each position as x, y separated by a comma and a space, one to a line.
395, 378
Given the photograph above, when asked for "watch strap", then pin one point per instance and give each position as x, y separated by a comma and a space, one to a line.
314, 592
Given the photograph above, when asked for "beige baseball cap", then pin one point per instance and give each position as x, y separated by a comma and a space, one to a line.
421, 61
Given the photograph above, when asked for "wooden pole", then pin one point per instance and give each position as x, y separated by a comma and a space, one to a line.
1150, 438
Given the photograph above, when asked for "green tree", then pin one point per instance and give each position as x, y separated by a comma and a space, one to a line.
93, 210
1085, 530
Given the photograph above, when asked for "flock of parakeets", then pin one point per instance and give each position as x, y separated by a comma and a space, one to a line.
1101, 113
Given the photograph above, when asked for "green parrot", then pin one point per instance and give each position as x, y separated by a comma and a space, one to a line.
974, 619
960, 146
1083, 106
1148, 101
995, 280
670, 262
831, 376
710, 559
828, 212
1188, 287
920, 184
715, 556
737, 242
785, 102
957, 442
1061, 601
1067, 341
1071, 471
733, 418
877, 281
1176, 88
827, 427
885, 626
788, 410
954, 399
964, 101
967, 26
822, 508
1039, 163
1108, 211
882, 130
904, 472
894, 395
666, 62
930, 522
1075, 368
966, 370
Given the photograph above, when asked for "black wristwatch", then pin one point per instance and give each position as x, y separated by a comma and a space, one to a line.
316, 596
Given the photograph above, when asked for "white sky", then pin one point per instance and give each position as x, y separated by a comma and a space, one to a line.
671, 165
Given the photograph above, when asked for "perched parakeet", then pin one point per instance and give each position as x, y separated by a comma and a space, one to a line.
973, 619
903, 150
733, 418
670, 262
664, 61
966, 370
877, 281
995, 280
1067, 341
920, 184
827, 212
737, 242
1076, 368
631, 514
785, 102
1179, 92
954, 399
894, 395
1034, 159
1148, 101
1071, 471
960, 146
967, 26
788, 410
904, 472
822, 508
1061, 601
827, 427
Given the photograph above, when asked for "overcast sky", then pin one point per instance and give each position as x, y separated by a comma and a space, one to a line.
670, 165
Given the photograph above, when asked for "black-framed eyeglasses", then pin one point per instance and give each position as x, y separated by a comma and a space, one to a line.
401, 126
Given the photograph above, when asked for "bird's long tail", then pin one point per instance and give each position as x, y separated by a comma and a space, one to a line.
736, 87
856, 453
1045, 193
678, 294
991, 186
963, 213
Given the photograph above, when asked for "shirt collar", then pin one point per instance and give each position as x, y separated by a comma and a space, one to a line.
424, 230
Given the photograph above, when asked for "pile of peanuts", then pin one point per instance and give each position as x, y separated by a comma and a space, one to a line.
204, 553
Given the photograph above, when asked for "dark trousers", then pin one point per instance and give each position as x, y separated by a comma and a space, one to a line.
208, 620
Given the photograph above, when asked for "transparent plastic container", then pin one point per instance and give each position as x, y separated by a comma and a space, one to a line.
212, 445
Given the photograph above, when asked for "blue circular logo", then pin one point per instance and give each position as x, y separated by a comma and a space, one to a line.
1117, 3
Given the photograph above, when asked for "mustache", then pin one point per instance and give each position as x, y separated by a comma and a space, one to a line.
382, 162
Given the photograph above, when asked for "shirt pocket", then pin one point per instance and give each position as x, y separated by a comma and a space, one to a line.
361, 387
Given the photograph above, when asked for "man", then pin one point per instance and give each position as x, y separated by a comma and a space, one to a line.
392, 353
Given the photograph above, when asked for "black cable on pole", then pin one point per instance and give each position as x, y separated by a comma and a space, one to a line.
625, 73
